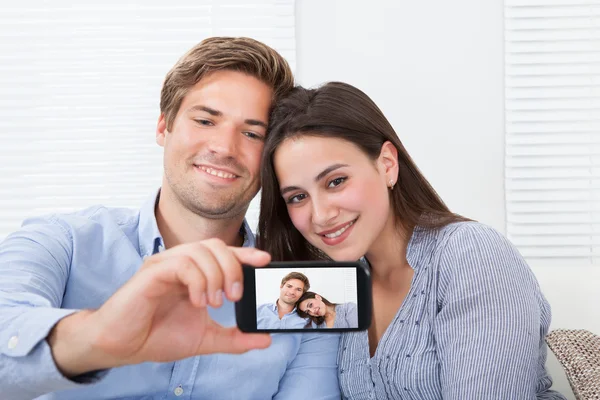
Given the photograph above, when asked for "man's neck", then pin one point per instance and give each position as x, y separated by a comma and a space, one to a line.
178, 225
283, 308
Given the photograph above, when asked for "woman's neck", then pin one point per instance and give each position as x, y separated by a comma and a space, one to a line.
330, 314
387, 256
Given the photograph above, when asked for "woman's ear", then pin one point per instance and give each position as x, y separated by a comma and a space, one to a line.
318, 297
388, 163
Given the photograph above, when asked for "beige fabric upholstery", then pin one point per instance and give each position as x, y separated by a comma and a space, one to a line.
579, 353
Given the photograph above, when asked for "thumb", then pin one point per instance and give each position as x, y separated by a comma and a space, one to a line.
231, 340
251, 256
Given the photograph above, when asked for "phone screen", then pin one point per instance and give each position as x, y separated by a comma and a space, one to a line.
305, 296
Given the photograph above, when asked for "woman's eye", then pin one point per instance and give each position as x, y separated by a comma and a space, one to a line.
337, 182
204, 122
297, 198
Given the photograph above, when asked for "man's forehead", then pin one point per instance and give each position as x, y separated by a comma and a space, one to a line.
295, 282
247, 99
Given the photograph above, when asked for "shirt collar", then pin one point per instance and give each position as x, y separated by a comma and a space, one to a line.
151, 240
274, 307
149, 236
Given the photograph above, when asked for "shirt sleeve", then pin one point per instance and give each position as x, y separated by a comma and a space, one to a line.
489, 329
34, 268
312, 374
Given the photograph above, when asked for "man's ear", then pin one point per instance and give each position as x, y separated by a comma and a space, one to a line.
388, 163
161, 130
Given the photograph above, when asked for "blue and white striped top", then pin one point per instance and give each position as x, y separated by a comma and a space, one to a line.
346, 316
471, 327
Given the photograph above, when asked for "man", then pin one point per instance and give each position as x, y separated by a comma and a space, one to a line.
282, 314
113, 303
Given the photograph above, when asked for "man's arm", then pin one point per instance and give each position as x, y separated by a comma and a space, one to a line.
34, 268
164, 302
313, 374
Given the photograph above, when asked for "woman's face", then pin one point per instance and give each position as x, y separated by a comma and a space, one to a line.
313, 307
336, 196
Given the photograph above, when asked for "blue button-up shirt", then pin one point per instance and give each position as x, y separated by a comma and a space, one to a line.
267, 317
60, 264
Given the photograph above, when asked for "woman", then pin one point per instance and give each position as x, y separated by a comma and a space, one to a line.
458, 314
321, 313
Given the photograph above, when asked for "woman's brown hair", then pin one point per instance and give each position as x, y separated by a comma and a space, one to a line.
339, 110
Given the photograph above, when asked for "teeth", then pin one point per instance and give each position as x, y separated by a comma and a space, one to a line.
216, 172
339, 232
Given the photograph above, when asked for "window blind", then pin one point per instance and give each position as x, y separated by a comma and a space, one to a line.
552, 93
80, 88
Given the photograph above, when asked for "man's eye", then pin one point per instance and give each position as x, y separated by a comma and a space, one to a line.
253, 135
336, 182
204, 122
296, 199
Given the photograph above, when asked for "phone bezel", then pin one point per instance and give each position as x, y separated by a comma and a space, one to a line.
245, 308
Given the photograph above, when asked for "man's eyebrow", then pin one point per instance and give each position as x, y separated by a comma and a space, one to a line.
211, 111
256, 122
320, 176
217, 113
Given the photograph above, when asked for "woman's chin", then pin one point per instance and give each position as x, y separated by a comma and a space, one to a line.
345, 256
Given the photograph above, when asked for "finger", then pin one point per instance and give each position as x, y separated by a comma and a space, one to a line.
192, 277
231, 340
251, 256
208, 264
230, 266
173, 275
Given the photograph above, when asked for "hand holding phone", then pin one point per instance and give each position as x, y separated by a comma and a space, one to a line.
321, 296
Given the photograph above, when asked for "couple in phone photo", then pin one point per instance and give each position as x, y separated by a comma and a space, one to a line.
115, 303
297, 307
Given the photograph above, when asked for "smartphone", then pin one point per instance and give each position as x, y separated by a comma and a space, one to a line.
301, 296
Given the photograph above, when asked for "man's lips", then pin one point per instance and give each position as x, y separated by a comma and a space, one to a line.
219, 172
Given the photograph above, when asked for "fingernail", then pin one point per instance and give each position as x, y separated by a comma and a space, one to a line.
236, 290
203, 300
218, 297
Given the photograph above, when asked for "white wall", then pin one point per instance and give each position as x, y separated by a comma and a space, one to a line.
338, 285
436, 70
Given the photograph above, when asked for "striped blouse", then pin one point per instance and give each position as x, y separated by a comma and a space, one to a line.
471, 327
346, 316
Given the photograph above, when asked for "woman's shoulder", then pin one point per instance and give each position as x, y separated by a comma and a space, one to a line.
475, 248
346, 307
467, 235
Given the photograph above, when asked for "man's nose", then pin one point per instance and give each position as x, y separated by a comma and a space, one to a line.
224, 141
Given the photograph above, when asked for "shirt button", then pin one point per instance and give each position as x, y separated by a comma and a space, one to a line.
13, 342
178, 391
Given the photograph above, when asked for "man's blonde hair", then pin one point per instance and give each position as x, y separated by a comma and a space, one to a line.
224, 53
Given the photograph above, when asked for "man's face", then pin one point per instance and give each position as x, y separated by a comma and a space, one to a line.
291, 291
212, 153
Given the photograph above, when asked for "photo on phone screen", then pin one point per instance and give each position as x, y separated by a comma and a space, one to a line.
300, 296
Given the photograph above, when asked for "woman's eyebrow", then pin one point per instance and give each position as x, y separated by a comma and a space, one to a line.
320, 176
